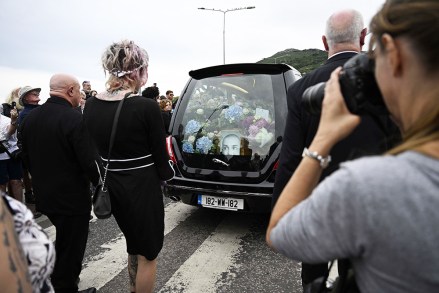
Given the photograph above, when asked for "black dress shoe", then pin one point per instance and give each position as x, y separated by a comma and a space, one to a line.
89, 290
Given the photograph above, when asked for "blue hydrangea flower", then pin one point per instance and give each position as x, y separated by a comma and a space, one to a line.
188, 147
233, 113
192, 127
203, 145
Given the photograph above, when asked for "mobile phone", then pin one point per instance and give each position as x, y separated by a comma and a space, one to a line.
13, 104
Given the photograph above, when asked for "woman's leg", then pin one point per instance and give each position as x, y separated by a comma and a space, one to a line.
132, 271
146, 274
16, 189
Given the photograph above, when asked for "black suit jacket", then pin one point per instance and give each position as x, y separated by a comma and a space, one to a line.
370, 137
60, 156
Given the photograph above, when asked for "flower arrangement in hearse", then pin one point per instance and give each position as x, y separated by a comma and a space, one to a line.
210, 115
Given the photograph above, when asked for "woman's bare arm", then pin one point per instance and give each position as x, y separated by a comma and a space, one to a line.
14, 275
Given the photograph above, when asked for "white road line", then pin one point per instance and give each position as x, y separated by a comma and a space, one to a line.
108, 264
175, 213
203, 270
333, 274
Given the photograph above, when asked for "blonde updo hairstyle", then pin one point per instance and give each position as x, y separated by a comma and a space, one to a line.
126, 64
418, 22
13, 97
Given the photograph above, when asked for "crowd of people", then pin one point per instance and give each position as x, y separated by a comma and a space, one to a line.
332, 199
62, 144
167, 103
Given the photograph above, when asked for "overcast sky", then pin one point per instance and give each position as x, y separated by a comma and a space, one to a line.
41, 37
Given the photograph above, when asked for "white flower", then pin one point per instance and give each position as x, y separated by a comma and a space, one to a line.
245, 111
191, 139
200, 111
210, 135
211, 103
263, 137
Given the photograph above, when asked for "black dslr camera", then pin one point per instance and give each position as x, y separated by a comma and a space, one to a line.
358, 86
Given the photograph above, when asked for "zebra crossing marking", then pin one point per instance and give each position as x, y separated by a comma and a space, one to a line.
108, 264
202, 271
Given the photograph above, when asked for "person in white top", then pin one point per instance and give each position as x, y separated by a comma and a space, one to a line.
10, 168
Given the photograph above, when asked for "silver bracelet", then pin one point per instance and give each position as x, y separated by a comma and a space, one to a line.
324, 161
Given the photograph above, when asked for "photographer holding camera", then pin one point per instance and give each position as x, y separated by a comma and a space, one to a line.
343, 39
381, 211
10, 168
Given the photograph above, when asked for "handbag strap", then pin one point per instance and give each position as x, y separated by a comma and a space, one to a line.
113, 134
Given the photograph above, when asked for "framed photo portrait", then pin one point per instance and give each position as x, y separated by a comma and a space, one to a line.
230, 142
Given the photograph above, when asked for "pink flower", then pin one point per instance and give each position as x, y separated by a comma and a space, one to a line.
247, 121
261, 123
253, 130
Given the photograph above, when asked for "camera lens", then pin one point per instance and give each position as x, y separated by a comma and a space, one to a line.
312, 98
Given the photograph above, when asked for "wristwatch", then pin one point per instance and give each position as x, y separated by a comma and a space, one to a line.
324, 161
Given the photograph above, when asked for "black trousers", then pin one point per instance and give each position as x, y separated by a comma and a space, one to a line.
310, 272
71, 240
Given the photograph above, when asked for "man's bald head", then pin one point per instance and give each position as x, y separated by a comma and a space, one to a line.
65, 86
344, 32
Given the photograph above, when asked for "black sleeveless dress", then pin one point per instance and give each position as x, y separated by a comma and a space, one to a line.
139, 162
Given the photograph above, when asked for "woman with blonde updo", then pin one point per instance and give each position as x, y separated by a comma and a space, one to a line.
379, 212
13, 97
139, 161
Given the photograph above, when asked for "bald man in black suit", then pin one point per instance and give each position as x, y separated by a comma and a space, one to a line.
61, 158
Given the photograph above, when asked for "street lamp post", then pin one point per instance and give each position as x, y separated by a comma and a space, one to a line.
224, 24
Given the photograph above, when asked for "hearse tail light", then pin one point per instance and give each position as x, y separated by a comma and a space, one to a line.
169, 148
276, 165
272, 176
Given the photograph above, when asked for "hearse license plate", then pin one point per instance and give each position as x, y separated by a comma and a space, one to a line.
223, 203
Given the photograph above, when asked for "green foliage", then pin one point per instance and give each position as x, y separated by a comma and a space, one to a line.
303, 60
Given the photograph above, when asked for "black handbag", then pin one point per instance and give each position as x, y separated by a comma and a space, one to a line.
101, 199
101, 195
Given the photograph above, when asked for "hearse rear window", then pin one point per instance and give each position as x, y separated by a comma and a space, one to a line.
231, 115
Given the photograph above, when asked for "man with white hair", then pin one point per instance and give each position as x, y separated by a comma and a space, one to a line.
343, 39
62, 159
86, 88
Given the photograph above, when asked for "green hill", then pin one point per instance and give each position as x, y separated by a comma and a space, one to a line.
303, 60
